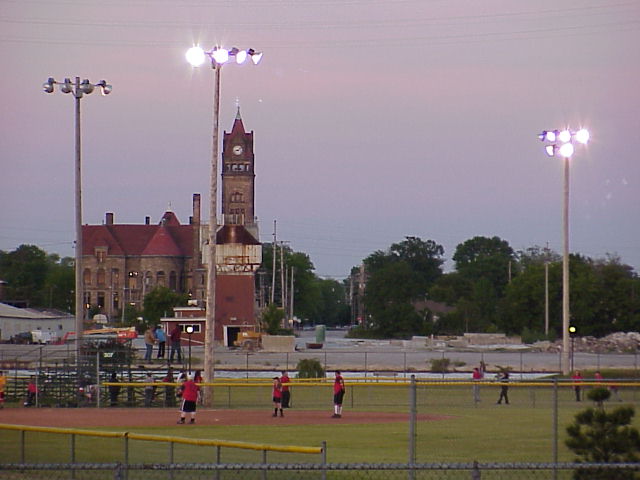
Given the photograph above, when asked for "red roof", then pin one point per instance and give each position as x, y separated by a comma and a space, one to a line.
167, 239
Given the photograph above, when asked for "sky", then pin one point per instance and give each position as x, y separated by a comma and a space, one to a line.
373, 120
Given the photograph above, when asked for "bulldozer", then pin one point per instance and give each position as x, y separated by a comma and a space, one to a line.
249, 340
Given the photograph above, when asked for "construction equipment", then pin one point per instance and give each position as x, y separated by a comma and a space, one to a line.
249, 340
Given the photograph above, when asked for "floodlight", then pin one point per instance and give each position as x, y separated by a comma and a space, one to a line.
564, 136
256, 57
551, 150
566, 150
48, 85
86, 86
189, 329
241, 57
195, 56
104, 87
67, 86
220, 56
582, 135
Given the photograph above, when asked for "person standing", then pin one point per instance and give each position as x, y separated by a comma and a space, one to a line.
149, 340
162, 341
114, 390
504, 387
338, 395
3, 386
476, 376
286, 393
276, 395
174, 337
577, 380
169, 390
149, 390
32, 393
189, 391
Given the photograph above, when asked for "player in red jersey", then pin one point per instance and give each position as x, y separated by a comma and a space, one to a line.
189, 391
338, 395
277, 397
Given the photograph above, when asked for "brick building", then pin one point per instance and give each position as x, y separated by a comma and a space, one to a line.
122, 263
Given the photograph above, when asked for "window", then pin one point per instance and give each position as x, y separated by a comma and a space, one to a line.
101, 299
196, 327
160, 279
101, 277
133, 280
237, 197
115, 277
101, 254
86, 276
173, 281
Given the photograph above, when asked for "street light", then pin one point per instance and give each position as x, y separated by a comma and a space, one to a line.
572, 332
189, 329
79, 89
218, 56
560, 143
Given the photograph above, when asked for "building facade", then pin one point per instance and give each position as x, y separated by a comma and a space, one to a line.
122, 263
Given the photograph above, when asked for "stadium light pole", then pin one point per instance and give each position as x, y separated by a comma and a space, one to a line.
79, 90
560, 143
218, 56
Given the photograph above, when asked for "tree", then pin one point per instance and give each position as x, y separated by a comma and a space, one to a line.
159, 303
272, 317
25, 271
597, 436
486, 258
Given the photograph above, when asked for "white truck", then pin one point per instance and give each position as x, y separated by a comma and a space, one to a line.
43, 336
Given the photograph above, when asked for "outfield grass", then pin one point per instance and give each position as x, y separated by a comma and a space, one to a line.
519, 432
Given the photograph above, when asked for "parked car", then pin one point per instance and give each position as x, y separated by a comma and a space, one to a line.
22, 338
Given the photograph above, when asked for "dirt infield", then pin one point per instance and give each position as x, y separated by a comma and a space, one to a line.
159, 417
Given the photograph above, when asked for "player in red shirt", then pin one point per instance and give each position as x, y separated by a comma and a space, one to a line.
277, 397
189, 391
338, 395
286, 394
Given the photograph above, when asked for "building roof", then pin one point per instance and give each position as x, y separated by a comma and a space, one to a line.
168, 238
8, 311
235, 234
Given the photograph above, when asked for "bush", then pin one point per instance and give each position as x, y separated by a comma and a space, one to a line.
440, 365
310, 368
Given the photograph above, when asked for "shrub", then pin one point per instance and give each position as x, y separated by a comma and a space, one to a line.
310, 368
440, 365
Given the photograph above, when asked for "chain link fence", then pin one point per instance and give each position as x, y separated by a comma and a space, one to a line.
440, 471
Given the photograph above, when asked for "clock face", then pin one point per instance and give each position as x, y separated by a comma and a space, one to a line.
237, 150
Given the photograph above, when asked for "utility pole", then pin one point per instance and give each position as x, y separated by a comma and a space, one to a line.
291, 295
274, 252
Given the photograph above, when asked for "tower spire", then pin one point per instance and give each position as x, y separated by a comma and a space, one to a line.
238, 117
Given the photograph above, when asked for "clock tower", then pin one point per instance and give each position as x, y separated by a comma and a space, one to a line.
238, 177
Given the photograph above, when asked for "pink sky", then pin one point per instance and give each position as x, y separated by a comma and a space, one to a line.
373, 120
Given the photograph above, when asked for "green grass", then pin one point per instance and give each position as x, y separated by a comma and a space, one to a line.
519, 432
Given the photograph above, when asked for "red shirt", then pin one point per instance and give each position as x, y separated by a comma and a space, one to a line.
284, 379
190, 391
338, 385
277, 389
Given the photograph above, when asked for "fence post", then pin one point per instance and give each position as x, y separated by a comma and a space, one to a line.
412, 426
98, 390
324, 460
555, 428
218, 458
264, 462
23, 433
475, 472
171, 459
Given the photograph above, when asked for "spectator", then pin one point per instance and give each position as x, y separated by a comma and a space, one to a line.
149, 340
114, 390
577, 380
162, 340
32, 393
174, 336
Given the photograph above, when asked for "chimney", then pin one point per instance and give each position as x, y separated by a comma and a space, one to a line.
196, 209
109, 218
147, 220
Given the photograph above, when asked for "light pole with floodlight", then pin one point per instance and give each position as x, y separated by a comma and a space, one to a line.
219, 56
560, 143
189, 330
79, 89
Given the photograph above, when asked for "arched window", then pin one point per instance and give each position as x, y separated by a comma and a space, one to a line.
161, 280
101, 277
86, 276
173, 281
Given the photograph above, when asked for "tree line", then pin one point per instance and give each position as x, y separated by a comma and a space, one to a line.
494, 289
